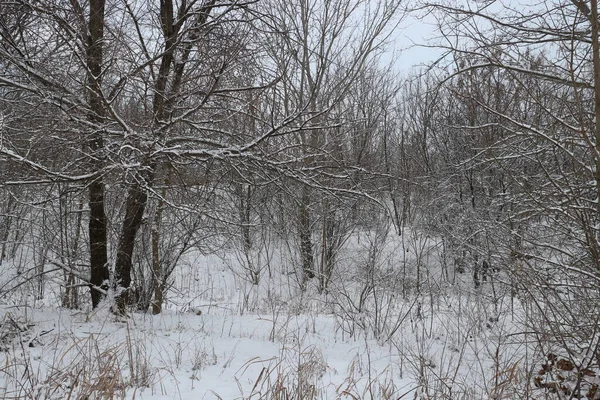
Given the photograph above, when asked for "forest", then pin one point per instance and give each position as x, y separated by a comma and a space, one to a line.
269, 199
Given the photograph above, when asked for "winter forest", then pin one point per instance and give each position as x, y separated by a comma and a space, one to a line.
271, 200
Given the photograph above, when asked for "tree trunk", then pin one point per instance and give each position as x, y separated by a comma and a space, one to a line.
99, 272
134, 211
71, 296
329, 247
595, 241
245, 219
98, 250
5, 226
306, 247
158, 274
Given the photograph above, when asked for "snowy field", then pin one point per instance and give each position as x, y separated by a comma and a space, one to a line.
378, 333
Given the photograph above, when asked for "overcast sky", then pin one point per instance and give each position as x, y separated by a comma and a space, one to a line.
414, 32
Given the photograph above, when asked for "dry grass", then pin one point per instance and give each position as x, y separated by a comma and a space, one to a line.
85, 368
295, 375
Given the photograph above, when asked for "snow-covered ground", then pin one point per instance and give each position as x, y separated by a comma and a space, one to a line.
380, 336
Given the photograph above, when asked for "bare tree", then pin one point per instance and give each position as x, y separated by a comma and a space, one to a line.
325, 49
127, 96
537, 136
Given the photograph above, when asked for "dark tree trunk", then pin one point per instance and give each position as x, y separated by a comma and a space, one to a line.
134, 211
98, 252
99, 272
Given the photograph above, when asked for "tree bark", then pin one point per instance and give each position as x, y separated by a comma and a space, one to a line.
99, 272
306, 247
6, 223
134, 211
71, 296
595, 241
158, 273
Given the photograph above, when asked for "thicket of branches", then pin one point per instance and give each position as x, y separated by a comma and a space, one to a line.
136, 118
132, 132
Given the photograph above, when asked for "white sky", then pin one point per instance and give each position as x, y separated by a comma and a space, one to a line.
414, 32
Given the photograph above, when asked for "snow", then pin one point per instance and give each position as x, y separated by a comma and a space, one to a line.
221, 337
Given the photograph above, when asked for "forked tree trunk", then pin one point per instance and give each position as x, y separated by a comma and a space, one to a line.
136, 197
